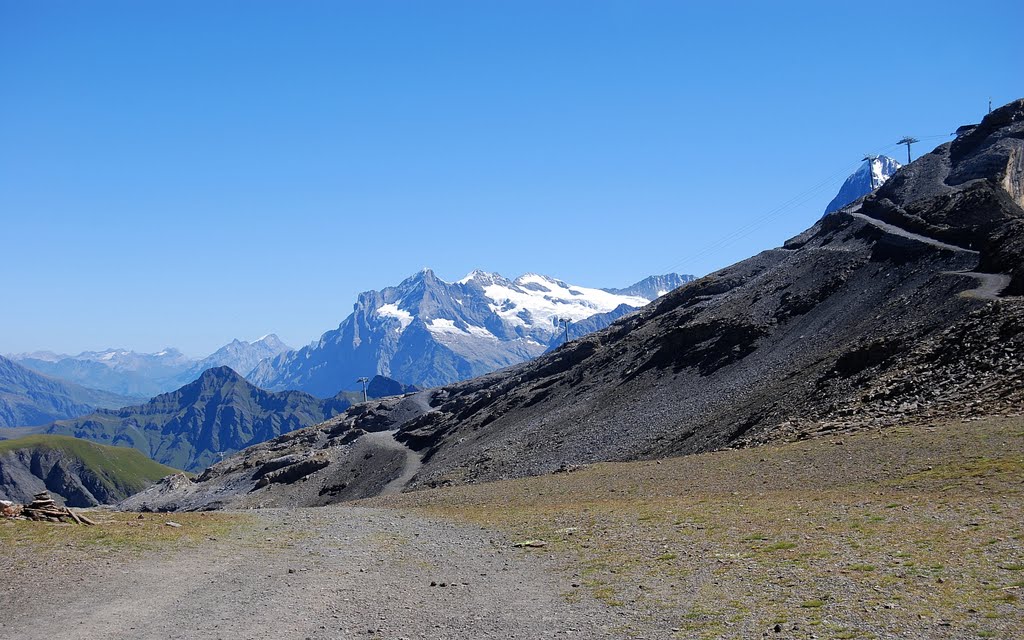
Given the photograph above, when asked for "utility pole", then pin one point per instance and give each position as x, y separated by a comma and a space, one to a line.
908, 140
565, 322
363, 381
871, 169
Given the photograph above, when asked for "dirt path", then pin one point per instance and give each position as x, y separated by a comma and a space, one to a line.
336, 572
903, 233
990, 285
413, 460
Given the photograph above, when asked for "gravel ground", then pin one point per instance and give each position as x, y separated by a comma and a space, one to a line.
334, 572
906, 532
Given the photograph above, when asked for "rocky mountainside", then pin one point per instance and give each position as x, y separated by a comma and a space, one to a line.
899, 308
144, 375
429, 332
217, 414
28, 398
76, 472
871, 175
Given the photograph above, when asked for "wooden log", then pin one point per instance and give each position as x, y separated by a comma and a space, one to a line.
74, 516
87, 521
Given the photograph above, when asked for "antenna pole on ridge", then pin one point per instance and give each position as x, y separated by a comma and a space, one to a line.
565, 322
871, 169
363, 381
908, 140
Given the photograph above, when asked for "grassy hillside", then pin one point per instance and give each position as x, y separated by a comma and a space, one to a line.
908, 532
118, 468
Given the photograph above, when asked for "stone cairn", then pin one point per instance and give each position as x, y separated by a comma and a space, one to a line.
42, 509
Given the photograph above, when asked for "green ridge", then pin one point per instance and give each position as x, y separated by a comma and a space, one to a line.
116, 467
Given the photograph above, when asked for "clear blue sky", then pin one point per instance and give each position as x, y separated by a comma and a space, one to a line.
182, 173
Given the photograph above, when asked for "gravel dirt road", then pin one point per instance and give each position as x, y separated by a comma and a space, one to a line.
337, 572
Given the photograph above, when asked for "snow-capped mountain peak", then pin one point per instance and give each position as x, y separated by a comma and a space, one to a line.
536, 303
872, 174
426, 331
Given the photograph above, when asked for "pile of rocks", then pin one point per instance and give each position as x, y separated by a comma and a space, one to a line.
42, 509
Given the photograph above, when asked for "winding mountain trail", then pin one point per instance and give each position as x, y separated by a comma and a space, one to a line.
333, 572
413, 460
990, 286
908, 235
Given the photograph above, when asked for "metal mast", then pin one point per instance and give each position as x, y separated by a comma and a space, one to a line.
871, 169
908, 140
363, 381
565, 322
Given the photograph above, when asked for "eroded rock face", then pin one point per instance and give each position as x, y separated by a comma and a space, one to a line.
895, 308
23, 473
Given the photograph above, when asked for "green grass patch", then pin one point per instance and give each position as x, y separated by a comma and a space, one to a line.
862, 567
780, 546
123, 532
1001, 468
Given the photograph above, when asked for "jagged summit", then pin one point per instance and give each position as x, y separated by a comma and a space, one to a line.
217, 376
654, 286
425, 331
189, 428
871, 175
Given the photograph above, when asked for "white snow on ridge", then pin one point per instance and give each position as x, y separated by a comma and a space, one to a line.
441, 326
546, 300
392, 311
472, 275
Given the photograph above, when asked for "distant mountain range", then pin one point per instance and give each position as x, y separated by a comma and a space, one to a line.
429, 332
219, 413
868, 177
144, 375
28, 398
423, 332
